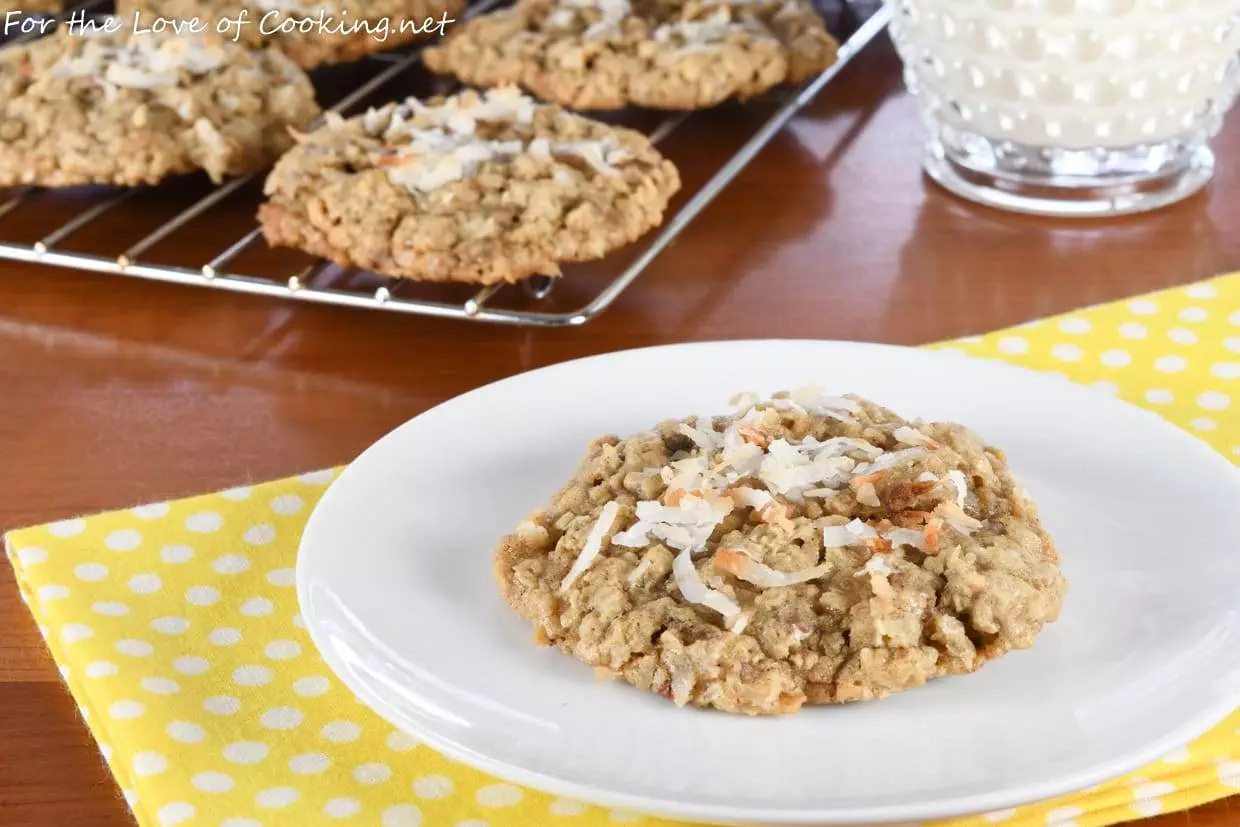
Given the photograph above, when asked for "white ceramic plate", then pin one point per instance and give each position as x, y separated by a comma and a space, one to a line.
394, 578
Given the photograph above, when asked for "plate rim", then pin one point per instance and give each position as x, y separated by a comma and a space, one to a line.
1206, 716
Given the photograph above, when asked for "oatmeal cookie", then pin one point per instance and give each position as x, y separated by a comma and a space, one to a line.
33, 6
316, 32
480, 188
805, 550
665, 54
130, 110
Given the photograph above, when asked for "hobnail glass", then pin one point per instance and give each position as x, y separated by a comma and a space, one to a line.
1070, 107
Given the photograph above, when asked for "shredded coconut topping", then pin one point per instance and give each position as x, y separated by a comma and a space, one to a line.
593, 544
905, 537
878, 564
711, 31
144, 62
293, 6
957, 518
961, 484
695, 591
750, 497
812, 399
613, 12
636, 574
432, 146
852, 534
889, 460
685, 526
702, 489
911, 436
739, 565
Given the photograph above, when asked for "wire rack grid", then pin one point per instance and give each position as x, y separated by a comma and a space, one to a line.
308, 283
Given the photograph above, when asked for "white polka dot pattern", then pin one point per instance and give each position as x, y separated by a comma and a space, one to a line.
217, 710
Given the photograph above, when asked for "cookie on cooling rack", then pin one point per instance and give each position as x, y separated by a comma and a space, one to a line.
804, 550
130, 110
665, 54
349, 29
478, 187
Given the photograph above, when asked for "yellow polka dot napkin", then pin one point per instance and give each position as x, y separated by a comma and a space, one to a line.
176, 628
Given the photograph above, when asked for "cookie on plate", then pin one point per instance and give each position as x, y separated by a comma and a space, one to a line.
129, 110
804, 550
478, 187
665, 54
318, 32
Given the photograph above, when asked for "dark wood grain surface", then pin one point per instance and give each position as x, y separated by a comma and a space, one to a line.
115, 392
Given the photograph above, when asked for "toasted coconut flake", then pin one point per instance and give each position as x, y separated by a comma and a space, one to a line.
686, 525
912, 436
750, 497
635, 536
961, 484
783, 403
773, 513
695, 591
753, 436
820, 493
931, 535
889, 460
843, 444
852, 534
877, 564
689, 473
812, 399
739, 623
679, 537
708, 441
744, 401
878, 544
927, 476
910, 519
636, 574
593, 544
743, 457
905, 537
683, 681
690, 510
788, 468
956, 517
866, 495
739, 565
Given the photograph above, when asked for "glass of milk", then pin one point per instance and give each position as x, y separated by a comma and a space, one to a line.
1070, 107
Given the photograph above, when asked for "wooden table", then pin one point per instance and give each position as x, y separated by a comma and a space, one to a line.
114, 392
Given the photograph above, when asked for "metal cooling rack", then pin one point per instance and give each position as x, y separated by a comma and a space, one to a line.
319, 281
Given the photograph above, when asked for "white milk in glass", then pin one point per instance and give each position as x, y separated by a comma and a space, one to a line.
1071, 107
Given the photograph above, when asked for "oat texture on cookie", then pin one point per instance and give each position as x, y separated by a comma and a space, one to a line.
32, 6
478, 187
665, 54
316, 32
806, 549
134, 109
